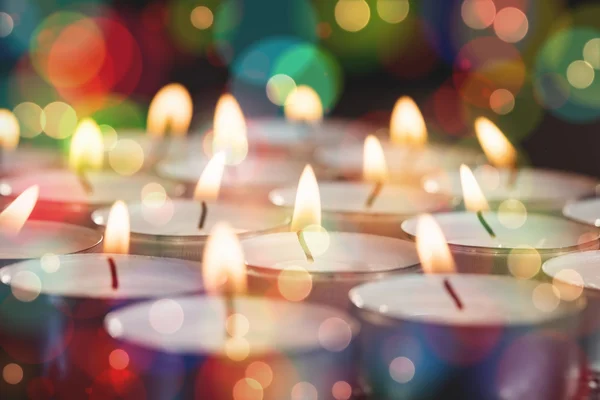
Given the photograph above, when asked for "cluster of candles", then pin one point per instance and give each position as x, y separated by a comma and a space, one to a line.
211, 274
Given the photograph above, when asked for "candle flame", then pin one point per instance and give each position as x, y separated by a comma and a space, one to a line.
223, 267
9, 130
171, 108
116, 235
303, 104
407, 126
498, 150
432, 247
229, 131
87, 147
13, 217
374, 165
209, 183
307, 208
472, 195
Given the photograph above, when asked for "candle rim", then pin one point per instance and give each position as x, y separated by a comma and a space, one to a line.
571, 261
569, 211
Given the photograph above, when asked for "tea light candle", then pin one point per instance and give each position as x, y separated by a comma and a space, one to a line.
341, 260
572, 276
26, 159
280, 348
521, 240
586, 211
510, 338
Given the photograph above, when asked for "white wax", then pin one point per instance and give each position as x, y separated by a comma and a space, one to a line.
351, 197
89, 276
487, 300
531, 185
180, 217
334, 252
38, 238
586, 211
63, 186
539, 231
25, 159
274, 326
586, 264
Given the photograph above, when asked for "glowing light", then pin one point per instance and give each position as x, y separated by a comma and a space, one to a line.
237, 325
9, 130
591, 53
304, 391
166, 316
154, 194
545, 297
15, 215
127, 157
260, 372
352, 15
247, 389
580, 74
341, 390
374, 165
524, 262
511, 24
472, 195
209, 183
478, 14
60, 120
26, 286
502, 101
334, 334
223, 265
109, 136
569, 284
229, 130
31, 117
307, 208
116, 235
171, 108
279, 88
498, 150
118, 359
50, 263
407, 126
303, 105
87, 147
393, 11
294, 283
12, 374
6, 24
432, 247
402, 369
202, 17
512, 213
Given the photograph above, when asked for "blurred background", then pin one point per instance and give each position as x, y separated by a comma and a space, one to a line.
529, 65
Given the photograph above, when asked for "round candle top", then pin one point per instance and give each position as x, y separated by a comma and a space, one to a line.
89, 276
180, 217
513, 230
530, 185
586, 211
38, 238
332, 251
487, 300
351, 197
63, 186
584, 264
196, 325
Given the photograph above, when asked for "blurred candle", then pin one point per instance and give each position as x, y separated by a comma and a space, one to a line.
474, 336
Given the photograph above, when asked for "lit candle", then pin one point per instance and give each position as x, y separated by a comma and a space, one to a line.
51, 319
70, 194
312, 264
465, 336
372, 206
179, 228
506, 241
229, 345
409, 155
505, 184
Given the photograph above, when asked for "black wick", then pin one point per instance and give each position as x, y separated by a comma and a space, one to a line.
374, 193
450, 289
113, 273
305, 249
202, 215
485, 225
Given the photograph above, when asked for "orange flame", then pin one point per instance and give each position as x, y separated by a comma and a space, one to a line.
87, 147
223, 267
172, 108
307, 208
472, 195
498, 150
303, 104
432, 247
13, 217
9, 130
116, 235
230, 132
407, 126
374, 165
209, 183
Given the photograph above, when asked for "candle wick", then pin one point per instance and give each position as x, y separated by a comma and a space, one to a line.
450, 289
305, 249
374, 193
113, 273
203, 215
485, 225
84, 181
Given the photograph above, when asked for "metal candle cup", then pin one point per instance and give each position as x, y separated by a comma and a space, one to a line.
279, 348
507, 340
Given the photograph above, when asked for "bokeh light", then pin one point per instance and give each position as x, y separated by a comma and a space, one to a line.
166, 316
26, 286
31, 119
580, 74
127, 157
294, 283
341, 390
335, 334
545, 297
402, 369
118, 359
60, 120
304, 391
478, 14
393, 11
502, 101
247, 389
279, 88
6, 24
511, 24
202, 17
591, 53
261, 372
569, 284
524, 262
12, 373
352, 15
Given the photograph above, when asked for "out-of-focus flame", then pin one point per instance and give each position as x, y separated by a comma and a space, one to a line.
87, 147
209, 183
374, 165
307, 208
223, 267
9, 130
432, 247
407, 126
13, 217
171, 108
472, 195
229, 130
498, 150
116, 235
303, 104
